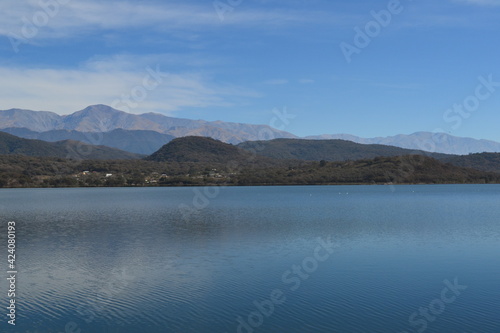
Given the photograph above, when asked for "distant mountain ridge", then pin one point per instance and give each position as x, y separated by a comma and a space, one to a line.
432, 142
146, 133
102, 118
134, 141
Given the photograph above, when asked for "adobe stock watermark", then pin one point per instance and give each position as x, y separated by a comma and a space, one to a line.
454, 117
152, 80
48, 9
460, 111
372, 29
420, 319
225, 6
292, 278
203, 196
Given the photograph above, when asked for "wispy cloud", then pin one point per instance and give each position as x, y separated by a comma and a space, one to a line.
82, 17
481, 2
276, 82
103, 82
452, 13
177, 18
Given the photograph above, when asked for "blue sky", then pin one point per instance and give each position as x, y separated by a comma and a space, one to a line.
421, 67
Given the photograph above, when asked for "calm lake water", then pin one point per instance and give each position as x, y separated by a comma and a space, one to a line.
255, 259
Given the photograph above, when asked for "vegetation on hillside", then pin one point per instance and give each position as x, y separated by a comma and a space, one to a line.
409, 169
204, 161
328, 150
481, 161
23, 171
13, 145
213, 152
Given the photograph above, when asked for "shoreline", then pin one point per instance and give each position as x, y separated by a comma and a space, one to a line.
249, 185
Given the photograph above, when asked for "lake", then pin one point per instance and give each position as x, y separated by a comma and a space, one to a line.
255, 259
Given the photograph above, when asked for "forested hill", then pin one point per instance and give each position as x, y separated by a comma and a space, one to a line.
133, 141
205, 150
328, 150
204, 161
289, 152
481, 161
13, 145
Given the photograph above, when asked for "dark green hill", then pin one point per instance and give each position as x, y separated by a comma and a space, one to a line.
13, 145
10, 144
328, 150
481, 161
204, 150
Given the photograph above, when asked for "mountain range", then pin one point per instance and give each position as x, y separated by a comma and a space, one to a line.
146, 133
102, 119
432, 142
194, 150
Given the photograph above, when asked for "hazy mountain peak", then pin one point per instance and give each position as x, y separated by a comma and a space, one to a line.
98, 109
34, 120
428, 141
103, 118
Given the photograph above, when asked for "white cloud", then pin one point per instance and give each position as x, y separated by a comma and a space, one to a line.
276, 82
109, 82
